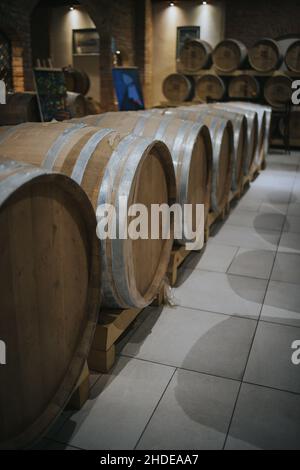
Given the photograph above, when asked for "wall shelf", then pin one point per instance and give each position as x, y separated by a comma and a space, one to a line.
86, 55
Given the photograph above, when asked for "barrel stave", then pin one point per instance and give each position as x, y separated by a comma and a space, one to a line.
87, 155
50, 276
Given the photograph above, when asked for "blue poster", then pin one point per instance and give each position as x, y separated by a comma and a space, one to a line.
128, 88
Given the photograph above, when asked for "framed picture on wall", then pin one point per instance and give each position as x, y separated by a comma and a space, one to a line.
184, 33
86, 41
128, 88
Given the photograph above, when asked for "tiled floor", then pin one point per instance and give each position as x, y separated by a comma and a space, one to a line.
215, 371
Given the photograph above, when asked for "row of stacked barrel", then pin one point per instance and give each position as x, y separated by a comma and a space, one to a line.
230, 55
261, 74
275, 91
266, 81
23, 106
55, 273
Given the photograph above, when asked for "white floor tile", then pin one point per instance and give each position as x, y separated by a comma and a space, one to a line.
258, 221
194, 413
282, 304
253, 263
120, 407
195, 340
216, 258
270, 363
265, 419
287, 268
289, 243
294, 209
292, 224
247, 238
222, 293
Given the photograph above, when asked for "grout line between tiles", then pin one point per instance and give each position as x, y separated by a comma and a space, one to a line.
233, 274
254, 336
62, 443
181, 368
157, 405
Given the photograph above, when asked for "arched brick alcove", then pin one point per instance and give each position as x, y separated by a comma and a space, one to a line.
103, 22
123, 20
16, 51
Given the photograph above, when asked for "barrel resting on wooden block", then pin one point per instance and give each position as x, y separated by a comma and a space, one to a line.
114, 324
178, 256
81, 394
216, 217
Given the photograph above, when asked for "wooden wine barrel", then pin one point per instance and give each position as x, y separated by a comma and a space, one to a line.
210, 87
221, 131
269, 114
92, 106
243, 87
3, 130
178, 88
265, 55
278, 90
264, 114
240, 128
294, 126
252, 120
189, 143
19, 108
109, 166
292, 57
229, 55
77, 81
50, 297
262, 122
195, 55
76, 105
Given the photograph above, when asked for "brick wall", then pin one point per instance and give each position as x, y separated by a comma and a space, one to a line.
148, 59
14, 23
112, 18
251, 20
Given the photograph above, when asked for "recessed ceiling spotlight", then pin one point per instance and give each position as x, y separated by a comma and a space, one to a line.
172, 4
71, 8
204, 3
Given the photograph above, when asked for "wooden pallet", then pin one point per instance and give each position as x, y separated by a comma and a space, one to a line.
255, 172
214, 217
81, 394
114, 323
178, 256
180, 253
239, 193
